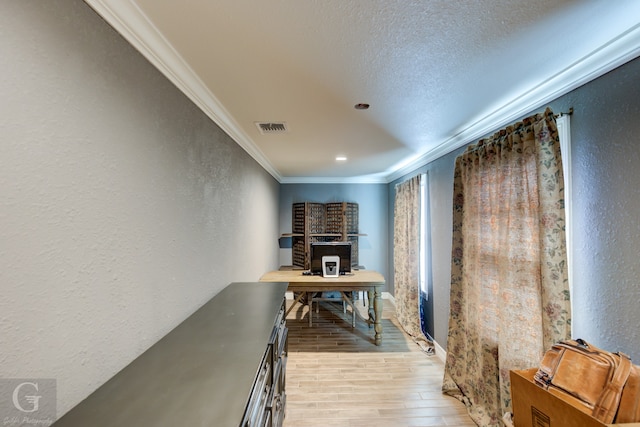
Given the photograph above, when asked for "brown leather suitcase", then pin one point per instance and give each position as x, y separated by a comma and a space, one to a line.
603, 384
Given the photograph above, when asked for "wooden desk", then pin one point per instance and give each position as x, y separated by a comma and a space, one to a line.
358, 280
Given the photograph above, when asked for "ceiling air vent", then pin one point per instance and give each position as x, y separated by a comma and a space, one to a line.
272, 127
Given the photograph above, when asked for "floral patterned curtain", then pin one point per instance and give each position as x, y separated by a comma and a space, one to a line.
509, 290
406, 262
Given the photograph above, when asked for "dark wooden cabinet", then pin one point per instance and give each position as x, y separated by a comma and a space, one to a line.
268, 396
322, 222
224, 366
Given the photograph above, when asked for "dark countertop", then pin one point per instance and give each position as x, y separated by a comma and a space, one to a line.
200, 374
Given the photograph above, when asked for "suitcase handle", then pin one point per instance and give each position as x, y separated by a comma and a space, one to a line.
607, 406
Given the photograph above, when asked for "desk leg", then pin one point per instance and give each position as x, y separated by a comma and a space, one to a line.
377, 308
370, 310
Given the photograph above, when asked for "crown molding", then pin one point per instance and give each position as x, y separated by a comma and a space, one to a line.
618, 51
128, 20
132, 24
363, 179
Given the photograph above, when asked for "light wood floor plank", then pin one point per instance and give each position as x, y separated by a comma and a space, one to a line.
337, 376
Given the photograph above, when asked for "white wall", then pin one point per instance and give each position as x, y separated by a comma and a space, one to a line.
123, 207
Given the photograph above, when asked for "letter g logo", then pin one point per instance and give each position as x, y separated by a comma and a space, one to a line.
32, 399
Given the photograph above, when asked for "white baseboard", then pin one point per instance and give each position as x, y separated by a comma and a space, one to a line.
440, 352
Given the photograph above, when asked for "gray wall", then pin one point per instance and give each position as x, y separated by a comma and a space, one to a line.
372, 202
440, 189
124, 208
605, 132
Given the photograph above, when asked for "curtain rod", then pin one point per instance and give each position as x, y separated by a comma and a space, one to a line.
565, 114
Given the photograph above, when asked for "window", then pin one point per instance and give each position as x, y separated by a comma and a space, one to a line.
424, 236
426, 306
564, 132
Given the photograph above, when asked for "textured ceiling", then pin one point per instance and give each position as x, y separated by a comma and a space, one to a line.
437, 73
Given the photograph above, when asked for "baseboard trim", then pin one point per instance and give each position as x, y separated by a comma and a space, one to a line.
440, 352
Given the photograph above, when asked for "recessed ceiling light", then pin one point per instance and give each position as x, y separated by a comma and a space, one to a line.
361, 106
341, 158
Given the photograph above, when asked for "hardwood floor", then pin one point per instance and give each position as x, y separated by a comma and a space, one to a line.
337, 376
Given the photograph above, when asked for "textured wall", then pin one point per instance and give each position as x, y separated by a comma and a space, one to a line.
440, 181
124, 208
441, 193
372, 209
605, 148
605, 129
